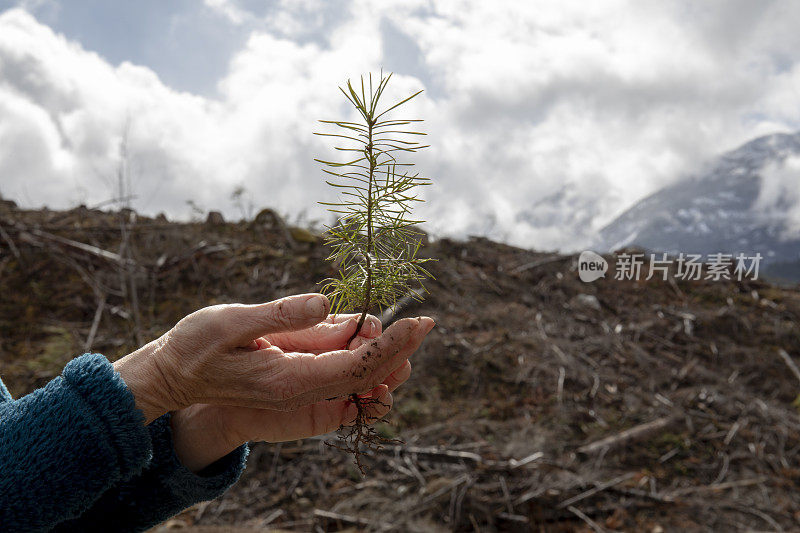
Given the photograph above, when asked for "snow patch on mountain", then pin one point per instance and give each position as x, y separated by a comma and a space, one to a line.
747, 200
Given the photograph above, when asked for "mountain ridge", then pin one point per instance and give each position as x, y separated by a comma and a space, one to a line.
721, 209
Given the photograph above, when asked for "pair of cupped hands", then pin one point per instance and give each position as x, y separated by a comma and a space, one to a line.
268, 372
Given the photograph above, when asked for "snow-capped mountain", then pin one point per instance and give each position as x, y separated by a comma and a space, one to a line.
747, 200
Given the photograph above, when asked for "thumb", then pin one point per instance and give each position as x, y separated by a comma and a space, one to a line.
247, 322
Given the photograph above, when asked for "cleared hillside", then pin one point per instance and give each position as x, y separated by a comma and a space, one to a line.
503, 420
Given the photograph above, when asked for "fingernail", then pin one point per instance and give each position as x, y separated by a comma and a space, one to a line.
373, 329
315, 306
346, 324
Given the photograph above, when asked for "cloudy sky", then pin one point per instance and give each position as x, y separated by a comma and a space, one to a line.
546, 118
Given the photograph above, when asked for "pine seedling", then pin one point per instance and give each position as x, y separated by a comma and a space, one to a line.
374, 243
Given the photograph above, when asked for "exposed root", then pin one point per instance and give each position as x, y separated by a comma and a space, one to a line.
361, 432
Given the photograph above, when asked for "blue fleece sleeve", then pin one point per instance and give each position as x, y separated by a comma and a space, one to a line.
164, 488
64, 445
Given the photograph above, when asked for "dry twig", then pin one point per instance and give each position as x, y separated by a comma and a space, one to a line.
636, 432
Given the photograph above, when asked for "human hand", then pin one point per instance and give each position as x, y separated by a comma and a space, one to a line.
330, 334
219, 355
204, 433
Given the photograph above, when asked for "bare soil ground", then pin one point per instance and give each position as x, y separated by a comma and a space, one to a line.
539, 402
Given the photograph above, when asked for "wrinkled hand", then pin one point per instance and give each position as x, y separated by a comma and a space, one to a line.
279, 356
326, 415
219, 355
237, 425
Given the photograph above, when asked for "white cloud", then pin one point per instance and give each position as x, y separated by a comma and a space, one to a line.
779, 197
229, 10
546, 118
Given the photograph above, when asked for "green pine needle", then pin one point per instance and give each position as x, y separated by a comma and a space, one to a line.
374, 243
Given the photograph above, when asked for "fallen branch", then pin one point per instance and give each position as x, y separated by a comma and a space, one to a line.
597, 488
457, 456
274, 515
27, 234
95, 323
513, 463
514, 518
591, 523
791, 364
446, 455
718, 486
348, 519
634, 433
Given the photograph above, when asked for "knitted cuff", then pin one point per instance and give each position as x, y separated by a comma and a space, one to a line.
93, 379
